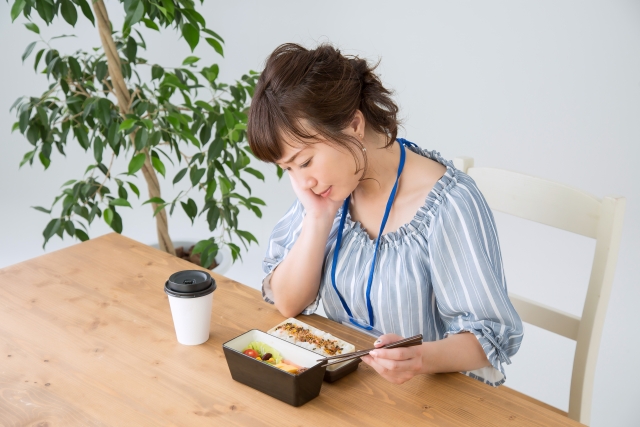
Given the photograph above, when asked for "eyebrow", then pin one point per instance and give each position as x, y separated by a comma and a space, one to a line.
292, 158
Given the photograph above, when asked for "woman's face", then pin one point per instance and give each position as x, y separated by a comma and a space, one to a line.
322, 167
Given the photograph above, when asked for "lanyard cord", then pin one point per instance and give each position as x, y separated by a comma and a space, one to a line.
345, 209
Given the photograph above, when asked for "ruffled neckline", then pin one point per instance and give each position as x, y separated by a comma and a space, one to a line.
424, 215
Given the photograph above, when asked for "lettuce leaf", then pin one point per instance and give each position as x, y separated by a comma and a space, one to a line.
263, 348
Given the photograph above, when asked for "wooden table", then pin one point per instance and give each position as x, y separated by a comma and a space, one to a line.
87, 339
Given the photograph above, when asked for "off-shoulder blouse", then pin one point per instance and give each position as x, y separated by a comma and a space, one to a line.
439, 274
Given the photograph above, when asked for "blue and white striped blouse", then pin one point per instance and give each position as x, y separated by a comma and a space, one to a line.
440, 274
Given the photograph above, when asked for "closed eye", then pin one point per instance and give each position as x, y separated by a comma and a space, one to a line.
305, 164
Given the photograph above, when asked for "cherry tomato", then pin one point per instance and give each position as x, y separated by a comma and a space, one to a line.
251, 353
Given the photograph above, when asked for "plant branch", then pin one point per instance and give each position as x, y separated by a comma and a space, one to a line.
124, 101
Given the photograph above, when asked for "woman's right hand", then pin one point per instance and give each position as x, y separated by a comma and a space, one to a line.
314, 205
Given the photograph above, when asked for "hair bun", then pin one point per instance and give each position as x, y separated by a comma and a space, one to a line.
325, 88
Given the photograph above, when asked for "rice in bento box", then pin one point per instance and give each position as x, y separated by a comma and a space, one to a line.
306, 336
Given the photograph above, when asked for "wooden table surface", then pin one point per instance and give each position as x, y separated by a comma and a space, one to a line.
87, 339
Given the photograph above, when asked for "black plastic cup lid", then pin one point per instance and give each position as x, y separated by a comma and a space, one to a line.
190, 284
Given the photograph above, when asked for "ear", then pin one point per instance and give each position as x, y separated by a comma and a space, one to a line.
356, 127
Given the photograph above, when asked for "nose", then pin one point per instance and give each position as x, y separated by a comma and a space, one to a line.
305, 180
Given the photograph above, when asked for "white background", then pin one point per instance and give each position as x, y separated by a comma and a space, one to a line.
546, 88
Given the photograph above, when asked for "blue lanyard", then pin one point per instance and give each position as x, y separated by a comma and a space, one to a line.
345, 209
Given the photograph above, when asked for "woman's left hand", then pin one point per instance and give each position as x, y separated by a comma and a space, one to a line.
396, 365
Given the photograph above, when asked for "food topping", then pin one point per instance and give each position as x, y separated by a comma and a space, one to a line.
267, 354
304, 335
251, 353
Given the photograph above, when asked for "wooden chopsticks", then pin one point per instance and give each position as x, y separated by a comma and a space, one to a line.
407, 342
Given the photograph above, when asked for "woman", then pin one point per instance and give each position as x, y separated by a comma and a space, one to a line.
392, 238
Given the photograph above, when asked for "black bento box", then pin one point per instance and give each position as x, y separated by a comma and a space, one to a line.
341, 370
296, 390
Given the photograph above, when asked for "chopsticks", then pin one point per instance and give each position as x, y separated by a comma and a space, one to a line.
407, 342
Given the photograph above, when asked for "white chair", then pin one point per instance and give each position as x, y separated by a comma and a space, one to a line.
570, 209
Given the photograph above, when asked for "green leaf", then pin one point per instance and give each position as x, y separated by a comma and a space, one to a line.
190, 208
256, 201
201, 246
66, 184
27, 157
142, 136
98, 147
17, 8
191, 34
190, 60
211, 73
169, 7
256, 210
101, 70
156, 72
180, 175
37, 60
156, 200
150, 24
32, 27
45, 10
193, 16
107, 214
76, 71
208, 255
211, 188
255, 173
28, 51
235, 251
246, 235
120, 202
69, 12
127, 124
225, 185
81, 235
41, 209
196, 175
134, 13
104, 109
213, 33
81, 135
158, 165
131, 49
134, 188
216, 45
116, 224
86, 11
51, 229
212, 217
136, 163
229, 120
70, 228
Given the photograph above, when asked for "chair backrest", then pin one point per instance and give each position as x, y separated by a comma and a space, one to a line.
570, 209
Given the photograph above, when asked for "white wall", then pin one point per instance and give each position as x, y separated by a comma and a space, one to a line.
546, 88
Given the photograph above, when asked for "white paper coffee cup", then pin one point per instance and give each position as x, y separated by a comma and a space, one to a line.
190, 295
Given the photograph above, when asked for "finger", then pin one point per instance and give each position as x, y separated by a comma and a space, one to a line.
404, 353
397, 366
396, 377
386, 339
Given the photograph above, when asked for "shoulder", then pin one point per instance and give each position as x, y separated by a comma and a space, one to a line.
454, 197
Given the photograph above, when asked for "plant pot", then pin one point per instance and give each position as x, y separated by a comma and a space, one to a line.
223, 257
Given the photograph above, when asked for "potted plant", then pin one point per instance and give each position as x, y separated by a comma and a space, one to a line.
113, 102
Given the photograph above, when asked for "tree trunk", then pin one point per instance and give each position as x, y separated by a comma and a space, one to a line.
124, 103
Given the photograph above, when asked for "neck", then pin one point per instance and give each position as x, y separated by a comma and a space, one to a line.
382, 168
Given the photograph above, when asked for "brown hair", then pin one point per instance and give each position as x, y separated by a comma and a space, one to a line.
323, 87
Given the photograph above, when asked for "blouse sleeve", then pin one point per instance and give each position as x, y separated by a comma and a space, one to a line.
468, 278
282, 238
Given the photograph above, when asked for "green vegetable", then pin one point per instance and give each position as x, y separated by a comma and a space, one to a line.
263, 348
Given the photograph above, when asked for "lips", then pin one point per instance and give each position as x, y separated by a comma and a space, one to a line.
326, 192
